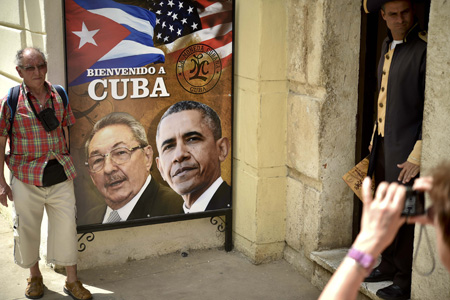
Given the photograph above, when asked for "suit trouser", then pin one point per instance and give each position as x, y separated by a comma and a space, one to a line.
28, 208
397, 257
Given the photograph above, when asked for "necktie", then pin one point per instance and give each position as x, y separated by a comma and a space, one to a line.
113, 217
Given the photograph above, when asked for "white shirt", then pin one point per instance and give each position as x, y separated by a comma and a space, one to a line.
125, 211
395, 43
202, 202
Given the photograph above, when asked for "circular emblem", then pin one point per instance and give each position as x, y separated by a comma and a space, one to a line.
199, 68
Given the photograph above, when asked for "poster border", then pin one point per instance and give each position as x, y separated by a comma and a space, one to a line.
227, 212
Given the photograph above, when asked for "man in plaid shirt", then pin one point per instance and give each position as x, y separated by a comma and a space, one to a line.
42, 172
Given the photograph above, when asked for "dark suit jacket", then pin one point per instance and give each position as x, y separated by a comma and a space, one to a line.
157, 200
405, 99
221, 198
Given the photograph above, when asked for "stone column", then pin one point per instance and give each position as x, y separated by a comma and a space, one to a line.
259, 162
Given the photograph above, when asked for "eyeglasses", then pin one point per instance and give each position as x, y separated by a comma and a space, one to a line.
119, 156
31, 69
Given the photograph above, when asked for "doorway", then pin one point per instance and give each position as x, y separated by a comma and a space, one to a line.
373, 32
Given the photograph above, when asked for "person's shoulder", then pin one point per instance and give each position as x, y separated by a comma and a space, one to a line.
423, 35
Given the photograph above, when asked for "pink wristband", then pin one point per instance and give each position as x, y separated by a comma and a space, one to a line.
363, 259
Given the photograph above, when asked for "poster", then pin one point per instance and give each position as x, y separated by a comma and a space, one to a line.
138, 58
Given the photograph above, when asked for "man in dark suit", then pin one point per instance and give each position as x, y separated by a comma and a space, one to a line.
397, 137
191, 149
119, 159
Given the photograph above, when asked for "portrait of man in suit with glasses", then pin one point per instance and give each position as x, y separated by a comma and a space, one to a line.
119, 158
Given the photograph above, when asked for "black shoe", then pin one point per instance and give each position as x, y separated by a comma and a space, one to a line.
377, 276
394, 292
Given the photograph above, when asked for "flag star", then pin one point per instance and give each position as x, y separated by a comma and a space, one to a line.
161, 3
194, 26
179, 32
158, 12
86, 36
190, 9
169, 13
171, 28
158, 36
170, 3
157, 21
166, 39
180, 5
164, 24
174, 17
184, 21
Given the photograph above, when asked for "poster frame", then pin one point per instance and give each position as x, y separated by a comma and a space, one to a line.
223, 225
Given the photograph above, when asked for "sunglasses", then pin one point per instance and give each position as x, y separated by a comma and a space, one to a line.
31, 69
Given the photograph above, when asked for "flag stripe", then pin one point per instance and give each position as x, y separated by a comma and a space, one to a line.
214, 43
130, 48
133, 10
216, 19
124, 18
214, 8
201, 35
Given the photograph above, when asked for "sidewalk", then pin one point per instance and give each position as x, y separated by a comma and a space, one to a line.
207, 274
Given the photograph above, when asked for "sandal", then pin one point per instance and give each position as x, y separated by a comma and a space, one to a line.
35, 288
77, 291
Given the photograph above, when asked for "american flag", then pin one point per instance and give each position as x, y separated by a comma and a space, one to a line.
181, 23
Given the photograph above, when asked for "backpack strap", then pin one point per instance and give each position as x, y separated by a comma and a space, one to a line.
13, 97
62, 92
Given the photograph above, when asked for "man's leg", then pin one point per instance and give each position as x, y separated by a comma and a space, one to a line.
62, 238
386, 269
28, 208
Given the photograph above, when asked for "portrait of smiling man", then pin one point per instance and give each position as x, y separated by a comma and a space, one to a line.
119, 159
191, 149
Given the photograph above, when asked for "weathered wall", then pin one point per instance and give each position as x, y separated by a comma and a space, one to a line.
436, 142
323, 42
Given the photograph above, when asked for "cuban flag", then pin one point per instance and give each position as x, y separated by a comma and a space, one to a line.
106, 34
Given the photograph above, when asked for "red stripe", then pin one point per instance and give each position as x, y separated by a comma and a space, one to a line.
205, 3
226, 61
219, 41
216, 19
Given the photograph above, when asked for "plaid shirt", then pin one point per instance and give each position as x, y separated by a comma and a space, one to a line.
31, 146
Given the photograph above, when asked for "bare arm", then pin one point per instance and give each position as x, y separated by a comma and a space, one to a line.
380, 222
5, 190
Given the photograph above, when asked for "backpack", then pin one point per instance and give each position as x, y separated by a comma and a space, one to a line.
13, 97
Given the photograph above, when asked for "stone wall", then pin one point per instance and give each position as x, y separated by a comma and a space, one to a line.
436, 143
323, 63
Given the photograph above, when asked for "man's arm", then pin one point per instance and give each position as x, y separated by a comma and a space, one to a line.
5, 190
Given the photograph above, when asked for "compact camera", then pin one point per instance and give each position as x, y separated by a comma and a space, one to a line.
414, 203
48, 119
